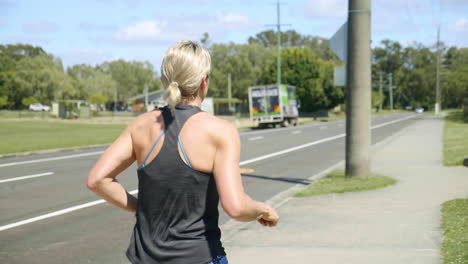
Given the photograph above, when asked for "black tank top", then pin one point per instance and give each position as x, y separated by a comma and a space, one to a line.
177, 214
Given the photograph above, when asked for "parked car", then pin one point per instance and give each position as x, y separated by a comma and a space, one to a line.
419, 110
39, 107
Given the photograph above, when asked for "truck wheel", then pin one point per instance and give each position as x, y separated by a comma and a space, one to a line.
285, 123
294, 122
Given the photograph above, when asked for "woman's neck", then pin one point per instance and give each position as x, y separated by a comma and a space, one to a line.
197, 101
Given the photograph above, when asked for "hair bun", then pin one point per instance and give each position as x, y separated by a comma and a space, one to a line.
174, 84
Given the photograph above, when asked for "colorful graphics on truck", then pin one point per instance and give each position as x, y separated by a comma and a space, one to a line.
272, 104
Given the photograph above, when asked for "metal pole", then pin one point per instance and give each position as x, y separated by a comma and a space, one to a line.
358, 83
390, 90
437, 103
380, 91
278, 62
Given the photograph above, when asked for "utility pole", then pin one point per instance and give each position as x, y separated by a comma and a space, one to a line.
390, 90
115, 103
278, 39
358, 83
278, 61
146, 97
437, 103
229, 93
380, 91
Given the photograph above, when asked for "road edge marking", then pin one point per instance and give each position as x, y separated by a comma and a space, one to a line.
27, 177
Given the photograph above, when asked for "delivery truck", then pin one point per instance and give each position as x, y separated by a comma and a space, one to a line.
273, 104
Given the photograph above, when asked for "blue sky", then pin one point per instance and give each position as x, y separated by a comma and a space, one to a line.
93, 31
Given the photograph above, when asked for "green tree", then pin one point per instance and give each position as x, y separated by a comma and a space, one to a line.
10, 55
376, 99
131, 77
42, 77
293, 39
98, 99
245, 63
4, 101
312, 76
89, 80
454, 79
27, 101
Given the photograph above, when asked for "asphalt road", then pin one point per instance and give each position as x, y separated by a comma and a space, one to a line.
100, 233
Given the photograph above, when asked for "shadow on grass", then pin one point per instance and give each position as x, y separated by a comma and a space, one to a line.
288, 180
456, 116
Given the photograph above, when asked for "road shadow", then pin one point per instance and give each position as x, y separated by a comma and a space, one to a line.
288, 180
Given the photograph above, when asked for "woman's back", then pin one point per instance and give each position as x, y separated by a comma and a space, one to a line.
188, 162
199, 137
177, 216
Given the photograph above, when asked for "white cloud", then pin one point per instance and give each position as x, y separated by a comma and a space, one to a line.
141, 32
461, 25
327, 8
175, 27
40, 27
232, 19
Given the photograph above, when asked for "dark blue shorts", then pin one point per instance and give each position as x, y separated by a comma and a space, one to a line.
219, 260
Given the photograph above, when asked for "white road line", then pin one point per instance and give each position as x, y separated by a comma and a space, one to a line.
296, 132
56, 213
274, 154
394, 121
255, 138
27, 177
323, 127
340, 125
51, 159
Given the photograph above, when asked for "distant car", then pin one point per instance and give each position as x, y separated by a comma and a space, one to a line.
39, 107
419, 110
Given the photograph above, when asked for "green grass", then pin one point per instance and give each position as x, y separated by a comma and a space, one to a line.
22, 136
455, 139
23, 114
336, 182
455, 225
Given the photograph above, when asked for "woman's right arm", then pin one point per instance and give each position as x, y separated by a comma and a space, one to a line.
236, 203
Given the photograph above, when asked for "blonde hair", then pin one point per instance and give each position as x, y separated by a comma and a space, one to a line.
182, 70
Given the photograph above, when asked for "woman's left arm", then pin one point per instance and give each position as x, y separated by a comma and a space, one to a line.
101, 179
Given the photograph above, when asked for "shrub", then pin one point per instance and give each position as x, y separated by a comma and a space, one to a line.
27, 101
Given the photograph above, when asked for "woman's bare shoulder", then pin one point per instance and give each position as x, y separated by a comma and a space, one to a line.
146, 120
216, 126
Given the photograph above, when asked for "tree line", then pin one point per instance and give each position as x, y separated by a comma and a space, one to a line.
29, 74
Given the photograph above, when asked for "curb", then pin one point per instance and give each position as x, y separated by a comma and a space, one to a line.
232, 227
50, 151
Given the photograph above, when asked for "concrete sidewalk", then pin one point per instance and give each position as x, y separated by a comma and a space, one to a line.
397, 224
